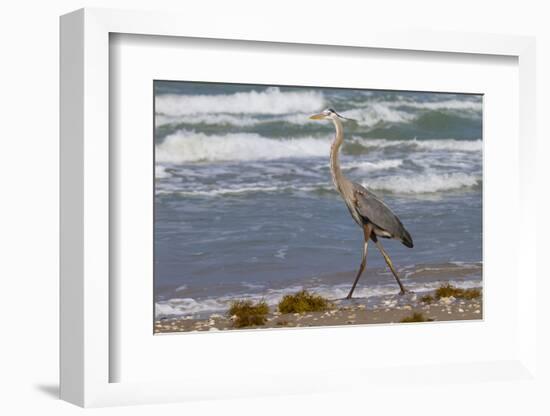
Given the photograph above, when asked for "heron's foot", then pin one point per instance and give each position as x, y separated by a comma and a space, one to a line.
405, 292
348, 297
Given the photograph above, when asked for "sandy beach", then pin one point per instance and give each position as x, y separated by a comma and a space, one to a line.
392, 309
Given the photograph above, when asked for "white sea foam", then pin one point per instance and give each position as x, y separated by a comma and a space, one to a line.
281, 253
406, 183
365, 166
450, 144
377, 112
373, 112
269, 101
424, 183
436, 144
189, 146
160, 172
197, 307
211, 119
221, 191
292, 107
188, 306
453, 104
444, 105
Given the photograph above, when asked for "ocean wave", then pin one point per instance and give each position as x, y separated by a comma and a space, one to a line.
424, 183
400, 184
189, 146
236, 120
269, 101
471, 105
235, 190
365, 166
373, 113
210, 119
292, 107
364, 117
377, 112
391, 113
160, 172
435, 144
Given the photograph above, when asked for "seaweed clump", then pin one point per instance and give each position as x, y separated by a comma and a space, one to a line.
416, 317
427, 299
447, 290
303, 301
247, 313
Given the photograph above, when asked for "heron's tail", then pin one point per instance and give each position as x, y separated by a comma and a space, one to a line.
407, 239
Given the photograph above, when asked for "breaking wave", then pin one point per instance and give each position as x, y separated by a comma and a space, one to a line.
175, 110
424, 183
436, 144
365, 166
399, 184
377, 112
269, 101
210, 119
187, 146
444, 105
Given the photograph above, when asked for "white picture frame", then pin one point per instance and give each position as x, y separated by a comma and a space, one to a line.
86, 355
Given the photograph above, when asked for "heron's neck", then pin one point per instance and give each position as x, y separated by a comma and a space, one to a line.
337, 176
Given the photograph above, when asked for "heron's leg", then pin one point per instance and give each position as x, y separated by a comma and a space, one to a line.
361, 268
390, 265
367, 231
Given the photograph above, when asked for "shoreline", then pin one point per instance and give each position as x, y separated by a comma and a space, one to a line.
391, 310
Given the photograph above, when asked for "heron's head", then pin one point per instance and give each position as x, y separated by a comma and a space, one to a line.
328, 114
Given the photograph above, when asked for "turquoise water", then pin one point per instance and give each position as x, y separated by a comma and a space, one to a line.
244, 203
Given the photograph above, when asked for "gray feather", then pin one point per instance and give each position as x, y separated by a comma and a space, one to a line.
374, 210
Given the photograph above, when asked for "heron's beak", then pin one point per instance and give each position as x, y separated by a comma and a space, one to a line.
319, 116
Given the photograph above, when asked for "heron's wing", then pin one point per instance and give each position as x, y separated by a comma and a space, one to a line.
374, 210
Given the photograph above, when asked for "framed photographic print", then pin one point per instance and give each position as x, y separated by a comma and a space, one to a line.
238, 213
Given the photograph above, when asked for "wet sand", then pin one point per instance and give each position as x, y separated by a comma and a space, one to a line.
392, 309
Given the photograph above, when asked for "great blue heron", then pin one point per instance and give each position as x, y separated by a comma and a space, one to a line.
373, 216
